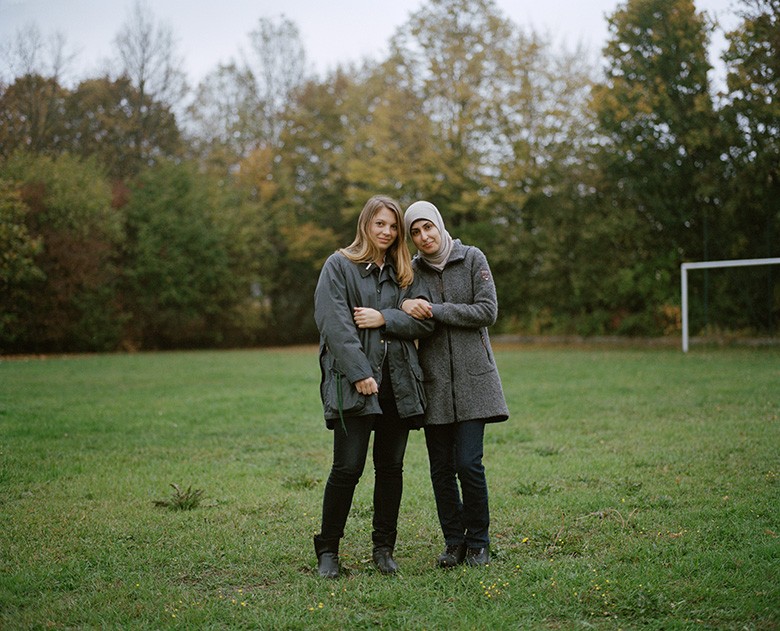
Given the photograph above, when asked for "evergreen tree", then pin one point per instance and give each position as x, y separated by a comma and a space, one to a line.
176, 286
656, 115
751, 298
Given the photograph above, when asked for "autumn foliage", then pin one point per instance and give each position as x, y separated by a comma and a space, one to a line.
137, 213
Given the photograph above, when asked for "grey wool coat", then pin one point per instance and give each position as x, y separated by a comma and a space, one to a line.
460, 375
349, 354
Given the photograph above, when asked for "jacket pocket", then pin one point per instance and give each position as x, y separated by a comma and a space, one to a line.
340, 397
420, 385
481, 357
415, 376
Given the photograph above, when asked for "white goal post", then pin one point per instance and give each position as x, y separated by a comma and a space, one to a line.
709, 265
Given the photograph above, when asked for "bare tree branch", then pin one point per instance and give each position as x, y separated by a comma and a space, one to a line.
147, 56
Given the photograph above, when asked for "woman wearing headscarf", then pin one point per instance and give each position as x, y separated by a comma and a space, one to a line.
462, 384
371, 378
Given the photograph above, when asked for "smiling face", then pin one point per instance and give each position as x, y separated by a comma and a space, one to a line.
426, 236
383, 229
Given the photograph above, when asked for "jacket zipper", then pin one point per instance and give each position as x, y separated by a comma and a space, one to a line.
449, 346
382, 363
384, 339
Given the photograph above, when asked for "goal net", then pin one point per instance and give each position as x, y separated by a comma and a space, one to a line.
709, 265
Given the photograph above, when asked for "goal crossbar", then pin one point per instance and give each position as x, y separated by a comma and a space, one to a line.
710, 265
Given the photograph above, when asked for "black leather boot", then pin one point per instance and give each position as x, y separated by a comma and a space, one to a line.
384, 561
452, 556
383, 552
327, 556
477, 557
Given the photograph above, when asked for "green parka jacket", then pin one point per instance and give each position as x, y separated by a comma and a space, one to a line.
349, 354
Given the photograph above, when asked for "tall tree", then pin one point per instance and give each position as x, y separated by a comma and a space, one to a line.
147, 56
31, 105
278, 64
29, 53
312, 216
656, 114
455, 56
101, 121
32, 116
177, 286
240, 106
543, 183
19, 271
751, 298
494, 127
248, 116
390, 144
224, 116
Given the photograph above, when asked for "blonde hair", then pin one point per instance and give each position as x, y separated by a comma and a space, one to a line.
363, 249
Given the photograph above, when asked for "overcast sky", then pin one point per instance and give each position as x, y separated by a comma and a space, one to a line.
333, 31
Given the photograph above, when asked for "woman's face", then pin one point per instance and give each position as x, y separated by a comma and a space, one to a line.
426, 236
383, 229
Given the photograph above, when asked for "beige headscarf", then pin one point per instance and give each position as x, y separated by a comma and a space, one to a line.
426, 210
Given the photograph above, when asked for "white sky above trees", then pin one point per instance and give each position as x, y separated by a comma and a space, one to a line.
339, 31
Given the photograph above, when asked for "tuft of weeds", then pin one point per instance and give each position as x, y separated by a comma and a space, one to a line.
181, 500
532, 488
548, 450
301, 482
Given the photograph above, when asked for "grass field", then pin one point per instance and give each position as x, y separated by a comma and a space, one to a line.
631, 489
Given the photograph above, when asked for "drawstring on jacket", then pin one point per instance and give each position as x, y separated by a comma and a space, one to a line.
340, 402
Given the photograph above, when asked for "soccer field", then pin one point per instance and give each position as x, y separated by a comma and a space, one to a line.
631, 488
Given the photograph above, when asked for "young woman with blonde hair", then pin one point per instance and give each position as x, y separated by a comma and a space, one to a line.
371, 379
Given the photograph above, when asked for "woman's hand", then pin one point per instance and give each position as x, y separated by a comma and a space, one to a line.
367, 386
417, 308
367, 318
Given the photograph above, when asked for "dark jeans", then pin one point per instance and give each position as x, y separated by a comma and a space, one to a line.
455, 454
349, 458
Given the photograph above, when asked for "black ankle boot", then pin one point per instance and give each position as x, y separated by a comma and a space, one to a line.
384, 544
452, 556
327, 557
384, 561
477, 557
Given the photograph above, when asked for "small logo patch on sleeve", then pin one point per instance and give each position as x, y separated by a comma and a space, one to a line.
485, 274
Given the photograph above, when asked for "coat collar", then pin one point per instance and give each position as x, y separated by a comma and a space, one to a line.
368, 268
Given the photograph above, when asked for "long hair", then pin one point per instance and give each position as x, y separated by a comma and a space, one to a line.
363, 250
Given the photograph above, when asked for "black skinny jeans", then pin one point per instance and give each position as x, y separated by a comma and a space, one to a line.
350, 450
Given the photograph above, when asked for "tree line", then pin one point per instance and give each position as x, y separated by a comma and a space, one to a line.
138, 212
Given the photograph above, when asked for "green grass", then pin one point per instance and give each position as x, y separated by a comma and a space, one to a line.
631, 489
